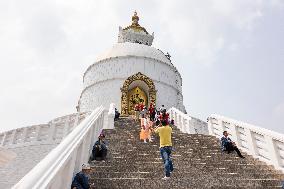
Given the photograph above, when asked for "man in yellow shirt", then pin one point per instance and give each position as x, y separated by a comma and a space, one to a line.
165, 133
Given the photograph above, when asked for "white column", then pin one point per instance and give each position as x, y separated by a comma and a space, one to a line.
272, 152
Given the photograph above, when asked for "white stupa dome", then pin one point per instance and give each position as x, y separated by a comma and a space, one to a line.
133, 49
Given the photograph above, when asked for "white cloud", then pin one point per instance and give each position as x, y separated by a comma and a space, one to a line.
279, 110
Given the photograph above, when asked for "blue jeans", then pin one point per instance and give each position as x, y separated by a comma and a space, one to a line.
166, 156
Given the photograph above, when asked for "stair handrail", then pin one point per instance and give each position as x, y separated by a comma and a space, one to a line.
186, 123
261, 143
59, 166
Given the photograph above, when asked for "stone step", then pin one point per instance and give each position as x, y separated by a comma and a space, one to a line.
197, 183
158, 165
198, 163
181, 173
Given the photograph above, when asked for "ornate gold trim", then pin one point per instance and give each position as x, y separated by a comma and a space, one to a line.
124, 91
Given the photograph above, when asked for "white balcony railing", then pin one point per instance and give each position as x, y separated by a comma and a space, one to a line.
57, 169
187, 124
266, 145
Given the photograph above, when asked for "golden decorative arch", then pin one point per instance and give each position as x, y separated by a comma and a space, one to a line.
124, 91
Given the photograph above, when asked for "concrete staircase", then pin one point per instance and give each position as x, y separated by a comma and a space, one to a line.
198, 163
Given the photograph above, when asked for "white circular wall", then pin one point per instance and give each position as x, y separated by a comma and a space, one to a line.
103, 79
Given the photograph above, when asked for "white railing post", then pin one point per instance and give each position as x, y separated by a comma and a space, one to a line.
272, 151
51, 131
221, 124
109, 117
66, 127
210, 126
179, 122
4, 138
24, 136
186, 123
183, 129
235, 135
191, 129
251, 142
13, 136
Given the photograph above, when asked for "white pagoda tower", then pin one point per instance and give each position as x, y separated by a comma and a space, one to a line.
131, 72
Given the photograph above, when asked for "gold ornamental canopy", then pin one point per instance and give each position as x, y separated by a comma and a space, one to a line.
135, 25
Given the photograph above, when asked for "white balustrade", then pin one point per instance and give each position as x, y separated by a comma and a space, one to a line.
41, 134
186, 123
57, 169
63, 162
264, 144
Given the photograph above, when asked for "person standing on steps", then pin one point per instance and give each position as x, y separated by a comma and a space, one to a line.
136, 108
163, 109
165, 134
149, 128
228, 145
145, 132
152, 112
116, 114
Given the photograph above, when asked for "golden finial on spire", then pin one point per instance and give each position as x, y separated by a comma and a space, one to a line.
135, 18
135, 25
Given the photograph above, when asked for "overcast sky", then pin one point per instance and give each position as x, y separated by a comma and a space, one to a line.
230, 54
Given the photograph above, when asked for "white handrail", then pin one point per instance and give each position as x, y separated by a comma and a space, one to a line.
264, 144
58, 167
186, 123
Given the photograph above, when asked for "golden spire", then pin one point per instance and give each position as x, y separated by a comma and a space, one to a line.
135, 25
